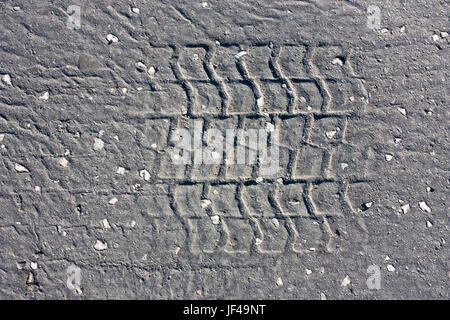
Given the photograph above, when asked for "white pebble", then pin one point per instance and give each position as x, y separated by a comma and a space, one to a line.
151, 71
323, 296
112, 38
345, 282
215, 219
402, 111
6, 79
113, 201
16, 8
344, 165
308, 271
435, 37
390, 268
260, 102
259, 179
34, 265
98, 144
100, 246
279, 282
258, 241
204, 4
205, 203
44, 97
388, 157
405, 208
106, 224
337, 61
20, 168
63, 162
135, 10
429, 224
424, 207
330, 134
2, 136
270, 127
37, 189
240, 54
140, 66
144, 174
120, 170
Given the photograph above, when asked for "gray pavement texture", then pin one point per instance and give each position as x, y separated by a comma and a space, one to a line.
86, 178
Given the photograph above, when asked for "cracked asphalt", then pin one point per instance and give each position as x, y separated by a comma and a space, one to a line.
93, 205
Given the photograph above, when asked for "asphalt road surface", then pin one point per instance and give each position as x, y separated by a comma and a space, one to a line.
93, 204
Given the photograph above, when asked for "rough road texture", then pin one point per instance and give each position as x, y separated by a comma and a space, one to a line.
363, 122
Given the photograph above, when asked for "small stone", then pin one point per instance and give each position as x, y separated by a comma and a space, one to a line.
135, 10
279, 282
323, 296
204, 4
44, 97
302, 100
258, 241
402, 111
284, 86
98, 144
124, 90
405, 208
330, 134
111, 38
388, 157
240, 54
312, 249
37, 189
100, 246
270, 127
120, 170
16, 8
198, 292
144, 174
397, 140
345, 282
390, 268
215, 219
151, 71
113, 201
260, 102
34, 265
205, 203
217, 43
280, 180
141, 67
429, 224
308, 271
30, 278
337, 61
6, 79
424, 207
105, 224
132, 224
2, 136
435, 37
387, 258
402, 29
444, 34
344, 165
63, 162
20, 168
271, 45
259, 179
